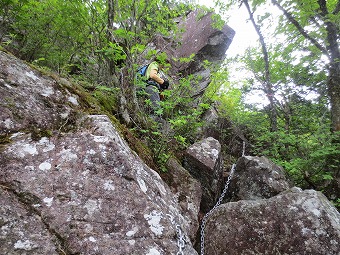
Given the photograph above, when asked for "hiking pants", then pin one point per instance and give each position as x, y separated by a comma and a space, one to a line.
153, 93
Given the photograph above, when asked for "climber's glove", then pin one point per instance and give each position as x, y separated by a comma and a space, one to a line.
165, 84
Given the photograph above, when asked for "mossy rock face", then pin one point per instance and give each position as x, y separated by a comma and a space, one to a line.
30, 99
107, 98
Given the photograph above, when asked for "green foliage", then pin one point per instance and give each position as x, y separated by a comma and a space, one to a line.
218, 22
107, 98
302, 151
43, 28
113, 51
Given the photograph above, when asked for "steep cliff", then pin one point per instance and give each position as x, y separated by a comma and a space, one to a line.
71, 184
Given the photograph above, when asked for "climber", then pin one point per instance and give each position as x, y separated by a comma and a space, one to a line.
155, 84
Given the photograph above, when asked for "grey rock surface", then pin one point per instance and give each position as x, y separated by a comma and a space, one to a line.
293, 222
30, 100
188, 193
257, 178
203, 161
80, 190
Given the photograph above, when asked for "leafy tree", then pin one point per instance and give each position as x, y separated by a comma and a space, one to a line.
266, 78
137, 24
40, 32
316, 27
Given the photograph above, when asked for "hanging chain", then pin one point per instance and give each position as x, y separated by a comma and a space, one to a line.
226, 186
181, 240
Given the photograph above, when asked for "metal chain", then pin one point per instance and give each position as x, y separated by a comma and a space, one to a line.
181, 240
215, 206
226, 186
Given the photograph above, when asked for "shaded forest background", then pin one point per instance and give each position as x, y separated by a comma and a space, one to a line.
98, 45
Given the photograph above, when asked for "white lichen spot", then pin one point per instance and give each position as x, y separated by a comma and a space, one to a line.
85, 173
132, 242
191, 207
48, 201
64, 115
161, 187
30, 149
153, 251
47, 92
73, 100
92, 239
142, 184
23, 245
108, 185
132, 232
320, 232
154, 219
316, 212
67, 155
31, 75
92, 152
45, 166
100, 139
48, 145
102, 148
92, 206
29, 168
88, 228
214, 153
7, 85
16, 135
305, 231
8, 123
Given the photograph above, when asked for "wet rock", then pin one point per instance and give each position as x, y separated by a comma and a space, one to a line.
203, 161
293, 222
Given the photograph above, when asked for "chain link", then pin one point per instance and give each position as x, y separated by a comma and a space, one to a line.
215, 206
181, 240
226, 186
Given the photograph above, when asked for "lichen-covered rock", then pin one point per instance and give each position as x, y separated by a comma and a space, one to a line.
91, 192
80, 190
257, 178
21, 231
30, 100
188, 193
293, 222
199, 38
203, 161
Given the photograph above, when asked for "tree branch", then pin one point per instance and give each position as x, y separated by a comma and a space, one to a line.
300, 28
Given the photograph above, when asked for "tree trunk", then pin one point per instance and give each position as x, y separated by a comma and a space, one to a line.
332, 51
267, 85
334, 96
110, 22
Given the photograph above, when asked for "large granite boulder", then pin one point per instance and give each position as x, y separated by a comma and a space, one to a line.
188, 192
293, 222
203, 161
80, 189
30, 101
200, 38
257, 178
